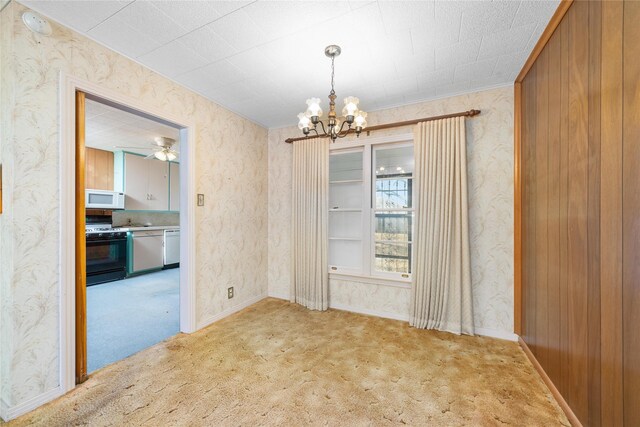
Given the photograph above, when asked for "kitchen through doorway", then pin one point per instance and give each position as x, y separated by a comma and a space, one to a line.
131, 211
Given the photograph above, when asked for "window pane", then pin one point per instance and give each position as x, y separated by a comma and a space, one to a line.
393, 257
393, 173
345, 166
394, 193
345, 224
396, 226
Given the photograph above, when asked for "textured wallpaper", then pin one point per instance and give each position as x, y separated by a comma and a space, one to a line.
6, 91
231, 158
490, 174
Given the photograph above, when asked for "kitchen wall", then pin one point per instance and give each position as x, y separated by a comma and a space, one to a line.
231, 229
490, 160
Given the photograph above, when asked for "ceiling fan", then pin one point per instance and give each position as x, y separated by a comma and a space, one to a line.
162, 149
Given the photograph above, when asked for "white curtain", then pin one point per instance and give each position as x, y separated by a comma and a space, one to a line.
441, 289
310, 277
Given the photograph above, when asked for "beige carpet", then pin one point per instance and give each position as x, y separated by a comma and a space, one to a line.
276, 363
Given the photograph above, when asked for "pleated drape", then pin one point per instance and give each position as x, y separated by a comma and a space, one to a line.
310, 277
441, 290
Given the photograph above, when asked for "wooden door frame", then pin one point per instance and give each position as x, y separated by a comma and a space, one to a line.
69, 240
80, 240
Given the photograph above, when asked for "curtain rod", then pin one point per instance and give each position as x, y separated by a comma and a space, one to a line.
469, 113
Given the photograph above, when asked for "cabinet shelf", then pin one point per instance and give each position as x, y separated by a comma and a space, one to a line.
346, 181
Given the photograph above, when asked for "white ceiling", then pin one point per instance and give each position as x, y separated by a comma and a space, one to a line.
111, 129
263, 59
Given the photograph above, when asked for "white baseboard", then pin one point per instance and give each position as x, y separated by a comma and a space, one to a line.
360, 310
278, 295
12, 412
496, 333
4, 408
485, 332
229, 311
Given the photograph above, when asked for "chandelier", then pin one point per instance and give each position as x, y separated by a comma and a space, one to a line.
354, 119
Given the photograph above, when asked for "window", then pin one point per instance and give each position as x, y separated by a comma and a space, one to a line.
393, 210
371, 210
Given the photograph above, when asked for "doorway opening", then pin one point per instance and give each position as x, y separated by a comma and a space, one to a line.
128, 231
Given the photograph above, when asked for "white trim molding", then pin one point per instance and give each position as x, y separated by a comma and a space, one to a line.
229, 311
278, 295
360, 310
484, 332
68, 87
11, 412
496, 333
371, 280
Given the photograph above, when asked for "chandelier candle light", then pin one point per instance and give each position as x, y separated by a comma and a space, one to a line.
354, 118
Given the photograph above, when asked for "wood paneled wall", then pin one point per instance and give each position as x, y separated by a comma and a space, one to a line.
98, 169
578, 185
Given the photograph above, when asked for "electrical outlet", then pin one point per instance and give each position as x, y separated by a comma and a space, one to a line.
200, 199
230, 292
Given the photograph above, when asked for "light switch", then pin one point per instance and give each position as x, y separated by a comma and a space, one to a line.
200, 199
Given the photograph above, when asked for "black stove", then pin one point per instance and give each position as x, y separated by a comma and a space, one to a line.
106, 253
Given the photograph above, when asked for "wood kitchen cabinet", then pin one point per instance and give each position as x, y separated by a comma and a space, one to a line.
98, 169
146, 183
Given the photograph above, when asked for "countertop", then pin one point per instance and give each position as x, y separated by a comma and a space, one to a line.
151, 228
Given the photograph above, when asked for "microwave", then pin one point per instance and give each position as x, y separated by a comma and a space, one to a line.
103, 199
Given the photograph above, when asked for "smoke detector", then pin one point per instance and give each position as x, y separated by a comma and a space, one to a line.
36, 23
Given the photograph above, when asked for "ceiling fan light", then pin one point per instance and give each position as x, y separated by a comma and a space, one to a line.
171, 156
161, 155
313, 107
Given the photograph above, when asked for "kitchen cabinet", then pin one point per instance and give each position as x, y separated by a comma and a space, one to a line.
174, 186
98, 169
148, 250
146, 183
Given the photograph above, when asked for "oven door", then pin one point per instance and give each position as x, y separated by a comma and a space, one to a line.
106, 259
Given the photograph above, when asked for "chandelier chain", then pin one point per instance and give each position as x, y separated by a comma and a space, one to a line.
332, 75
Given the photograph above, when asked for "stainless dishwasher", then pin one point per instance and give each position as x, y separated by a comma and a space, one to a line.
147, 250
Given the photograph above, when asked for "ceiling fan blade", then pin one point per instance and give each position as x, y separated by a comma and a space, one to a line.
150, 156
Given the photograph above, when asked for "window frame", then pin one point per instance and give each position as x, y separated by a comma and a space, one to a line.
372, 215
368, 211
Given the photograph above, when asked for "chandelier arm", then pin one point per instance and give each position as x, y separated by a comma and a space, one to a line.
347, 132
324, 131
